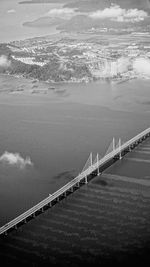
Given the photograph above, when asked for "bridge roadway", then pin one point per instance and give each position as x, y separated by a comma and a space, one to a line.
117, 153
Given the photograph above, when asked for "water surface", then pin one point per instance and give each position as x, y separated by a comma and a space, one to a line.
13, 15
58, 130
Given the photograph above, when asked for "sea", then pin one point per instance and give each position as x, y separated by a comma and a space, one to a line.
58, 131
13, 15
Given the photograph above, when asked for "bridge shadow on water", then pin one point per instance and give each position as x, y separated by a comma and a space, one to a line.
106, 222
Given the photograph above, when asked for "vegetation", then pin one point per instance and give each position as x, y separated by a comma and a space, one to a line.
54, 70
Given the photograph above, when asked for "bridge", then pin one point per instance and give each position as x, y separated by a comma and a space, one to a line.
91, 169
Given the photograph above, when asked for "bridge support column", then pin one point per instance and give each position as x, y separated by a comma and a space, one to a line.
57, 199
15, 227
33, 215
86, 181
25, 221
71, 189
78, 185
50, 204
65, 194
130, 148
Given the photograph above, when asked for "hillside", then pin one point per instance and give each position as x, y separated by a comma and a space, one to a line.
89, 5
82, 15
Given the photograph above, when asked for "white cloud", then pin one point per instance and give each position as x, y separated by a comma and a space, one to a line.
62, 12
11, 11
117, 13
142, 66
4, 62
15, 159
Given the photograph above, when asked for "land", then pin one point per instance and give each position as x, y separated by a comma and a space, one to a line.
94, 55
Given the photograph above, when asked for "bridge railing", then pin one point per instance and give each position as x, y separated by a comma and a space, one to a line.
41, 204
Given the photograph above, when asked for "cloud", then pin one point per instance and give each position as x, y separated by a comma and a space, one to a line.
65, 13
4, 62
11, 11
142, 66
115, 12
14, 159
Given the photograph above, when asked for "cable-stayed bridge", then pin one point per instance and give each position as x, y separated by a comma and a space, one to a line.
93, 167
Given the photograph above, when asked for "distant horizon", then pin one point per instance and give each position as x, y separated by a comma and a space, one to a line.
24, 19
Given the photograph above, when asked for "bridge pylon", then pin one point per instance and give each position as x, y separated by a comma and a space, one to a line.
114, 147
96, 163
97, 157
120, 154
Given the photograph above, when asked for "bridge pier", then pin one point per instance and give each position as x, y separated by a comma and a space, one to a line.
71, 189
42, 209
120, 156
77, 185
86, 181
130, 148
98, 172
65, 194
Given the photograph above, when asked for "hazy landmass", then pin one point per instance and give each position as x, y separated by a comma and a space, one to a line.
89, 5
81, 23
42, 1
83, 15
44, 22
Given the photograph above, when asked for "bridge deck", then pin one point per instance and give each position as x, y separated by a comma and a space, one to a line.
118, 152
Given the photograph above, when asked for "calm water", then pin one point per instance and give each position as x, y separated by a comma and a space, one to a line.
106, 222
58, 131
13, 15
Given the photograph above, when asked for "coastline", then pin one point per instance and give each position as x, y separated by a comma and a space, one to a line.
125, 96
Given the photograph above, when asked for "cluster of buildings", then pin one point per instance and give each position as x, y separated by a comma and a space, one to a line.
110, 60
